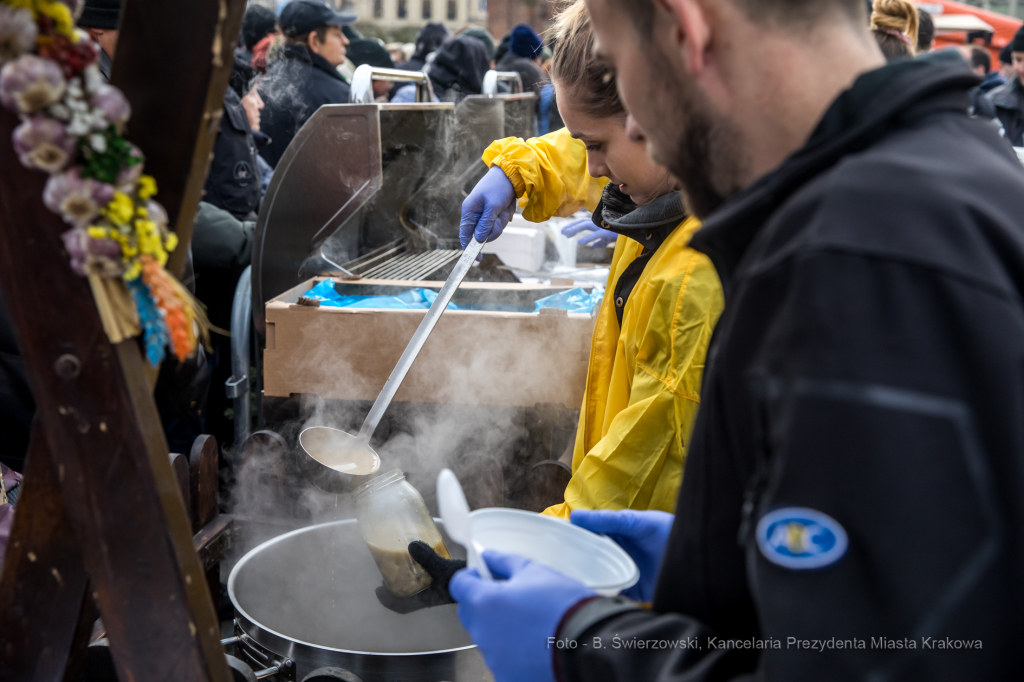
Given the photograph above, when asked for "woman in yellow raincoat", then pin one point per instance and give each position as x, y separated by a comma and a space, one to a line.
662, 298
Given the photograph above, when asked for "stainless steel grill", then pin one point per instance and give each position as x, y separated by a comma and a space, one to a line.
398, 260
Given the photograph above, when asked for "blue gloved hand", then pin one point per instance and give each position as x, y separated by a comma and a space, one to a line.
488, 208
513, 619
643, 534
599, 237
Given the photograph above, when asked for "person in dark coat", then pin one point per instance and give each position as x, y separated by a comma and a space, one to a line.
222, 249
305, 76
233, 181
428, 40
1008, 99
981, 63
458, 69
852, 504
523, 57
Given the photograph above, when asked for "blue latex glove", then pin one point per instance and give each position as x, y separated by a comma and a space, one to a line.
512, 618
643, 534
598, 237
488, 208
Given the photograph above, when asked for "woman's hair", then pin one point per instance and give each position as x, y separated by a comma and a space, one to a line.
575, 67
303, 38
895, 23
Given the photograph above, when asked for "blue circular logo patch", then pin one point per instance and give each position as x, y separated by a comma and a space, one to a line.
799, 538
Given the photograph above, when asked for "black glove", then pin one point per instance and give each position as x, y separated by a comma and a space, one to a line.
439, 568
441, 571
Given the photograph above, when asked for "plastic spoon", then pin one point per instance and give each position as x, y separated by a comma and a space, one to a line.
455, 514
346, 442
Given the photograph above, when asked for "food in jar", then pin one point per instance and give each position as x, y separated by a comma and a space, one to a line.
402, 575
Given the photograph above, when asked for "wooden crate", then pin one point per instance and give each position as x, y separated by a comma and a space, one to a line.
472, 357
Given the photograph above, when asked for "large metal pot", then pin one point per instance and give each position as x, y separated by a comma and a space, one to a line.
308, 599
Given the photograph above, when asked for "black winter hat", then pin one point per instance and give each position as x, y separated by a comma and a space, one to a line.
370, 52
1018, 41
101, 14
259, 22
1006, 55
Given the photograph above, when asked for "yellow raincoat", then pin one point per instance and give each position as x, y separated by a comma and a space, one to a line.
643, 383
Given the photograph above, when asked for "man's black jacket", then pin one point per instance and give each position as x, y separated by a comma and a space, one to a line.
1008, 102
869, 366
233, 182
297, 84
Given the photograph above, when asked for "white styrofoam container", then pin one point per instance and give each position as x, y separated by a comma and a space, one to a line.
520, 246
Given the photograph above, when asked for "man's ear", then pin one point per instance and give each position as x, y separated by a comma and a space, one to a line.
313, 40
691, 30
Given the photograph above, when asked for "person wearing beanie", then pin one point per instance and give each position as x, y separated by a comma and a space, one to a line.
99, 19
1008, 99
258, 23
524, 51
1006, 62
525, 42
428, 40
369, 51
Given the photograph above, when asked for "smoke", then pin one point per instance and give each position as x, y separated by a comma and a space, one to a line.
429, 163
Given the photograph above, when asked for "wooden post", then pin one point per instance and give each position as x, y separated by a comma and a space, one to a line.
98, 452
177, 61
40, 607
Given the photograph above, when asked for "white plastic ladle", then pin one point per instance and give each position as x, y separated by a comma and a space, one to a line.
455, 514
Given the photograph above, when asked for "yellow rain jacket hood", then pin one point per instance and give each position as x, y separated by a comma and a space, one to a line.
644, 378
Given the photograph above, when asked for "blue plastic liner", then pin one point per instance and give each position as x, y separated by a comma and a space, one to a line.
576, 300
413, 299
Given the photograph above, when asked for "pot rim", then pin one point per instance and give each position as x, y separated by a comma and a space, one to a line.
288, 639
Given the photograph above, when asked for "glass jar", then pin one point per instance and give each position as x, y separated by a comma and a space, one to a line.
391, 514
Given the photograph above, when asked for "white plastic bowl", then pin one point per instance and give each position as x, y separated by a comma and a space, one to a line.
592, 559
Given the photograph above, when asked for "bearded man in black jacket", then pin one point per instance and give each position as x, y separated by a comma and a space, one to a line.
852, 506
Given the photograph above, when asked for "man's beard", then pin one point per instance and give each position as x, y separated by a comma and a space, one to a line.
703, 150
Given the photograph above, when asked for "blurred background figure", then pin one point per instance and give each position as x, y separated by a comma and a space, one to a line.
99, 19
981, 63
397, 52
428, 40
524, 57
456, 71
483, 36
925, 32
258, 23
1006, 63
1008, 99
305, 76
894, 24
372, 52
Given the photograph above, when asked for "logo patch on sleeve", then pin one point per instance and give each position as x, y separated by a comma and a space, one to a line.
800, 538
